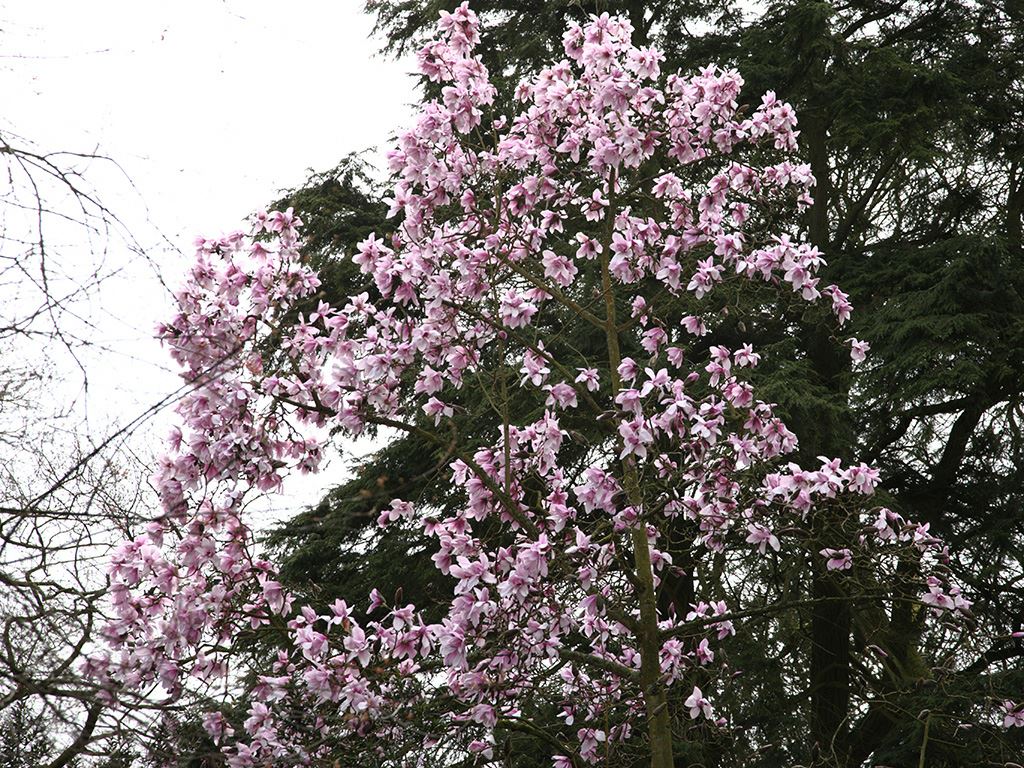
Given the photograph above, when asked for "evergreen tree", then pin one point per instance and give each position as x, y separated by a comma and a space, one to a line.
912, 115
25, 738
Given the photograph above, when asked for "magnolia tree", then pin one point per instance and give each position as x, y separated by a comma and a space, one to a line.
617, 199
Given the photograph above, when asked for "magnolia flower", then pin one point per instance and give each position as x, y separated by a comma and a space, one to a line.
747, 356
838, 559
1013, 715
589, 248
437, 409
515, 311
215, 725
858, 350
561, 395
704, 653
698, 705
862, 479
628, 369
589, 377
694, 325
762, 537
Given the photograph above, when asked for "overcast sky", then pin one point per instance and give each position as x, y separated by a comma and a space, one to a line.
211, 107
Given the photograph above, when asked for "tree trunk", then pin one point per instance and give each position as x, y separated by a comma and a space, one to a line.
830, 619
659, 722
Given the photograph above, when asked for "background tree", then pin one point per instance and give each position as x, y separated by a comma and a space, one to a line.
910, 117
25, 740
65, 496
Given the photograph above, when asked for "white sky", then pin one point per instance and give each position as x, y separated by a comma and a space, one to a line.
211, 107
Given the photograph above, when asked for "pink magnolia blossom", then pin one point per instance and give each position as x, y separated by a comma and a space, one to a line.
838, 559
698, 705
1013, 715
859, 350
762, 537
589, 377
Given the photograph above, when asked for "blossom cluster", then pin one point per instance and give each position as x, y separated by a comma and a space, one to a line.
617, 198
